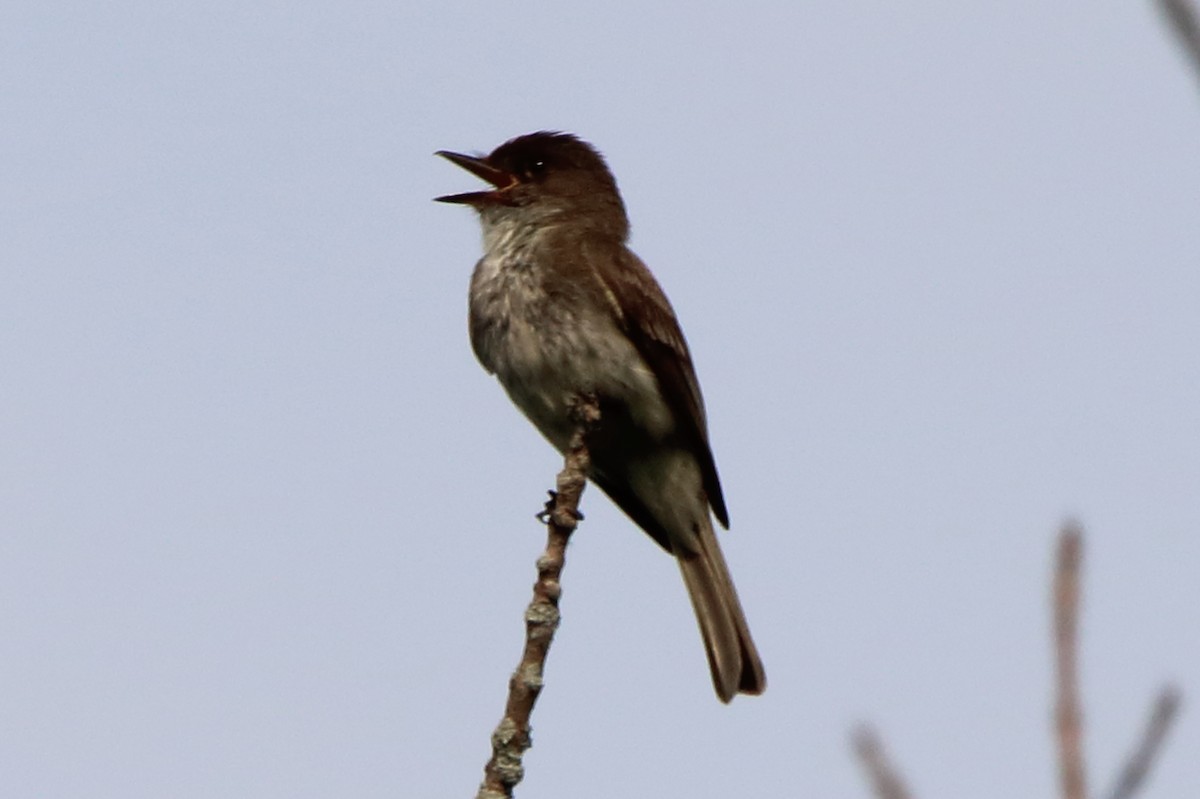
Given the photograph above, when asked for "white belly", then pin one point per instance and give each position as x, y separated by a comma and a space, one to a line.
549, 350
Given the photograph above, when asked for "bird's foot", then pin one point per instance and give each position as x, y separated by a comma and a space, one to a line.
545, 514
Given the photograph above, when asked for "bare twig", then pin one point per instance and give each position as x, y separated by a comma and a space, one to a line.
884, 778
1182, 16
1133, 775
511, 737
1068, 715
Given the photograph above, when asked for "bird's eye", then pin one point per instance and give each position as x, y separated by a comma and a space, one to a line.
536, 169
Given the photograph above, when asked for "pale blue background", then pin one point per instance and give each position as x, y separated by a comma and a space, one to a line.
266, 527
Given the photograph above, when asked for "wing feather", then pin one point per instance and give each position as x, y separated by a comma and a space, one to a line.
645, 315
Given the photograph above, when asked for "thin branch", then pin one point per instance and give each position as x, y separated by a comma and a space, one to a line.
1133, 776
511, 737
1184, 20
885, 779
1068, 713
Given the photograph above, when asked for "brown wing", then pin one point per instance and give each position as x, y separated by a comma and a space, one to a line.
643, 312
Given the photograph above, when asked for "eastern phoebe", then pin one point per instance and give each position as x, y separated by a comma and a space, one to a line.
560, 307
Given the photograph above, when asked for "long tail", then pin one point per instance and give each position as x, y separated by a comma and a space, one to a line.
732, 656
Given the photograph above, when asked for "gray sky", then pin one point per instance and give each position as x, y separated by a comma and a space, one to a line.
266, 527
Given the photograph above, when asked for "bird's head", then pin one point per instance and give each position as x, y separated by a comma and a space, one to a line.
542, 175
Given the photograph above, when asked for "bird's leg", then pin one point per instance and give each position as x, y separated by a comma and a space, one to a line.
543, 515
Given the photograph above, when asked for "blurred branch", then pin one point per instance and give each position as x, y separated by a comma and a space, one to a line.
1130, 781
884, 778
1068, 714
511, 737
1182, 16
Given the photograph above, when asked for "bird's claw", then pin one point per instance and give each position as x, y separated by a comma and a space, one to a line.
543, 515
546, 514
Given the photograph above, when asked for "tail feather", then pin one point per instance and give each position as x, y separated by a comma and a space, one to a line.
732, 656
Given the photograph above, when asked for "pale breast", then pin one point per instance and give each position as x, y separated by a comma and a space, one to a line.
547, 346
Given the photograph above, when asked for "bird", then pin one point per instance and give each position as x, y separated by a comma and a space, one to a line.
559, 308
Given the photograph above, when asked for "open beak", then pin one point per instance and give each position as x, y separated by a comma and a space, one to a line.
481, 168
